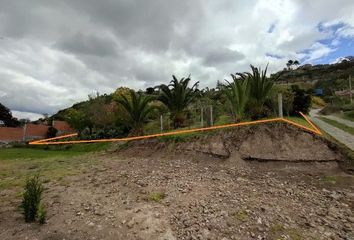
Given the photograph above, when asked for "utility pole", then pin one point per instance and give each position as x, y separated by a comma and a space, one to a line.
201, 117
161, 123
350, 89
280, 105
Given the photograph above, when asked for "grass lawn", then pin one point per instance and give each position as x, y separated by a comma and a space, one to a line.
52, 163
348, 115
299, 120
338, 125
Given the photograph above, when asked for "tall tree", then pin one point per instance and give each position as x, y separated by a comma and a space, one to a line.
6, 117
78, 120
176, 97
137, 111
289, 64
260, 88
237, 93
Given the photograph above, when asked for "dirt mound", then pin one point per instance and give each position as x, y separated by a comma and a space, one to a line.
265, 142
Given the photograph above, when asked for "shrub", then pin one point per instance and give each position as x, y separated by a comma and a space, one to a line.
52, 132
31, 198
349, 115
302, 100
317, 101
348, 107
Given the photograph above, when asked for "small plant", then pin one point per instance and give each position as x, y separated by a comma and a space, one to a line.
240, 215
156, 196
31, 198
42, 214
328, 179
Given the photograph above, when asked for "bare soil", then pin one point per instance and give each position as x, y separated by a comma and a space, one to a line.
208, 187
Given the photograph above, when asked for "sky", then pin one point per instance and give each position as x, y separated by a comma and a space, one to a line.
54, 53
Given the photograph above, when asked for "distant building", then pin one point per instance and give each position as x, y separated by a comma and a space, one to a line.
31, 131
2, 123
35, 131
63, 127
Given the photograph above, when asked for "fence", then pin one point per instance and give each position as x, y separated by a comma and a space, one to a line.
199, 117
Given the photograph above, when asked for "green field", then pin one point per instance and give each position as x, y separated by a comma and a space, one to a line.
52, 163
338, 125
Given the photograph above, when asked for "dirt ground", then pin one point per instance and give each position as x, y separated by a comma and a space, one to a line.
160, 191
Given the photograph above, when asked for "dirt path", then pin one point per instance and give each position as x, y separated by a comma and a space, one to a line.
342, 136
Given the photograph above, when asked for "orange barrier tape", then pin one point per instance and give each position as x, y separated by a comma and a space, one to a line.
45, 141
54, 138
311, 123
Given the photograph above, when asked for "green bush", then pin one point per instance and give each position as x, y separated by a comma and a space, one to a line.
31, 198
51, 132
302, 100
348, 107
349, 115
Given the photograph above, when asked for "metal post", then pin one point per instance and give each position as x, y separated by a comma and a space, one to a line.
161, 123
24, 132
201, 117
350, 89
280, 105
211, 116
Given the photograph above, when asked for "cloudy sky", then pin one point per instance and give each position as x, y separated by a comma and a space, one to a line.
54, 53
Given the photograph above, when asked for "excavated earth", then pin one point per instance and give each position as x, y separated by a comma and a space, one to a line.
271, 181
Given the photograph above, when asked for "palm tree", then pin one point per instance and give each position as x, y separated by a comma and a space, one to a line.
176, 97
260, 87
137, 111
289, 64
237, 93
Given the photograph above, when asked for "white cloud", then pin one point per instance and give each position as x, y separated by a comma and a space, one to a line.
26, 115
54, 54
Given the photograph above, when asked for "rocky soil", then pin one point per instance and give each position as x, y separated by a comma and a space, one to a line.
183, 195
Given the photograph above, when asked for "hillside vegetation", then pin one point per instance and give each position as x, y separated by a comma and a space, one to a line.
182, 104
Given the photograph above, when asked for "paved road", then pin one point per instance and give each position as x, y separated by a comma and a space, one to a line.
340, 135
341, 120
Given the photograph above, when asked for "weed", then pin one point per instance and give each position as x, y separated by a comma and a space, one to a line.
156, 196
277, 228
328, 179
42, 214
31, 198
240, 215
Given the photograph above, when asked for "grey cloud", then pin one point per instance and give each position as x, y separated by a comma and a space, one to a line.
54, 53
222, 56
89, 44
